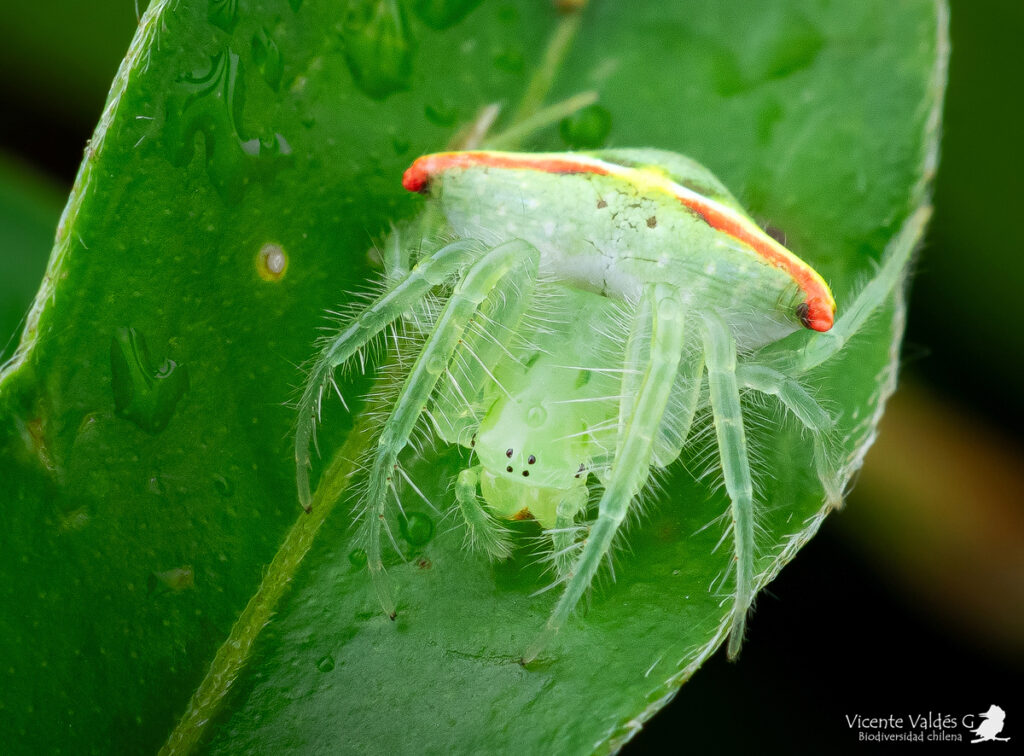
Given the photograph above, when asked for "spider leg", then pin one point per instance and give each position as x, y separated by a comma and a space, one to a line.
675, 425
486, 343
661, 312
811, 414
720, 354
515, 259
563, 536
483, 530
405, 295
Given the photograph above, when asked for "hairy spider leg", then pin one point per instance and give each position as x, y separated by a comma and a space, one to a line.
563, 535
674, 429
406, 294
486, 343
795, 398
482, 529
720, 354
660, 305
455, 404
515, 260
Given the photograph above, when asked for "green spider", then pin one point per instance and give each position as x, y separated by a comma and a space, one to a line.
591, 304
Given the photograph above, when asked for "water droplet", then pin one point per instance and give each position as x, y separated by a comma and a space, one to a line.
378, 47
271, 262
155, 485
224, 486
143, 395
770, 55
441, 113
536, 416
177, 580
509, 60
267, 57
400, 144
88, 424
325, 663
417, 528
357, 558
210, 102
74, 520
440, 14
223, 13
586, 129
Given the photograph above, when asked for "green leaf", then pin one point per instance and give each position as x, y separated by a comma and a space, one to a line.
249, 156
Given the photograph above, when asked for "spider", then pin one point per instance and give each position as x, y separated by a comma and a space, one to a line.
581, 310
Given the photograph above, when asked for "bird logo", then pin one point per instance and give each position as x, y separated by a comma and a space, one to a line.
992, 724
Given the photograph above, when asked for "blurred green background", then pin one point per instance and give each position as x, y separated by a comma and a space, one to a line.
909, 600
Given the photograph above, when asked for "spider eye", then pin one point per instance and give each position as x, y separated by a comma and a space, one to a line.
802, 312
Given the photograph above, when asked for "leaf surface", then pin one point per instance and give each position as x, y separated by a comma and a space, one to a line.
153, 545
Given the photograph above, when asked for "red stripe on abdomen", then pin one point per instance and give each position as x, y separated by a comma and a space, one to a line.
417, 177
820, 312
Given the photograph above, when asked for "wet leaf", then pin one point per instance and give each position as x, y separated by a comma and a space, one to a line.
249, 156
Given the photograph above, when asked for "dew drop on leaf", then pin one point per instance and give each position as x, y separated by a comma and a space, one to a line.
155, 485
224, 486
440, 14
325, 663
357, 558
401, 145
267, 57
223, 13
417, 528
441, 113
586, 129
378, 47
210, 102
176, 580
142, 394
74, 520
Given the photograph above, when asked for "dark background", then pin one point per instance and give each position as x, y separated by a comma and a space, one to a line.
909, 601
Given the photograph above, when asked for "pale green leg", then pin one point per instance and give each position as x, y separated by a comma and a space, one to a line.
483, 346
631, 467
720, 354
638, 346
514, 259
675, 425
563, 538
483, 530
427, 274
808, 412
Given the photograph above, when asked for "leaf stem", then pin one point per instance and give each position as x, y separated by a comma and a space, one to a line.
513, 135
233, 654
544, 75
